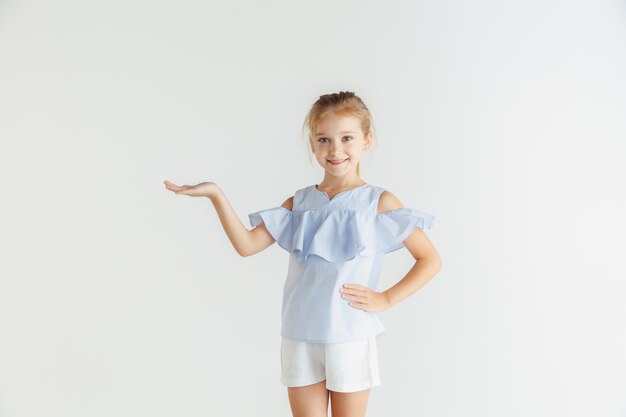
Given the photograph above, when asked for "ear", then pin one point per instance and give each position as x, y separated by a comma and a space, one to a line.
368, 140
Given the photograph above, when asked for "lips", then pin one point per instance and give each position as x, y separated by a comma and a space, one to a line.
337, 161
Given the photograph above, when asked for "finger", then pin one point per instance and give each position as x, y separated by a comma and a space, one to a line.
355, 292
170, 184
360, 306
173, 187
359, 291
356, 287
355, 297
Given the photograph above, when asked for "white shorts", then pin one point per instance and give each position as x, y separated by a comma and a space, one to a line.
346, 367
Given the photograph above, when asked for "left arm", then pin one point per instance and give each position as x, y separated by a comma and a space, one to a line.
427, 260
427, 265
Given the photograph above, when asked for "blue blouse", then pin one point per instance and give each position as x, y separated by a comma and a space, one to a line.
332, 242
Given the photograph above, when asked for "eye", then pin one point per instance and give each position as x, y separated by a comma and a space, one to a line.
325, 139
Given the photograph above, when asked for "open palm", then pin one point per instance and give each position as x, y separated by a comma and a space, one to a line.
203, 189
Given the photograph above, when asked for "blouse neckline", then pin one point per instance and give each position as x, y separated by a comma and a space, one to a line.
339, 193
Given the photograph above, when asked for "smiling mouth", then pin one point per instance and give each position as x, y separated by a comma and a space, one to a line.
337, 161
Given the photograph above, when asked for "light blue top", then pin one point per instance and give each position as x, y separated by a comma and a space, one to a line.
333, 242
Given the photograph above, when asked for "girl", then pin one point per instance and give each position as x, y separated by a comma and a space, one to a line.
337, 233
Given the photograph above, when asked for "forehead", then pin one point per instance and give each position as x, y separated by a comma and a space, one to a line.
334, 123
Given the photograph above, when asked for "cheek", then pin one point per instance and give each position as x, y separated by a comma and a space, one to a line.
354, 148
320, 155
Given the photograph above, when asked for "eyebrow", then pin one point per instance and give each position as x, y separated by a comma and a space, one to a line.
345, 131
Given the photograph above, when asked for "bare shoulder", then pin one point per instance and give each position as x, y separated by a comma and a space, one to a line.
288, 203
388, 201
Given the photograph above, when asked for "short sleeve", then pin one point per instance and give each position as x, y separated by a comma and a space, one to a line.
393, 227
277, 221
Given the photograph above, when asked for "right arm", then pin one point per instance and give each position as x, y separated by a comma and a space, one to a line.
246, 242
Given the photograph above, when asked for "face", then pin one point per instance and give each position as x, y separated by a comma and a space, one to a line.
338, 144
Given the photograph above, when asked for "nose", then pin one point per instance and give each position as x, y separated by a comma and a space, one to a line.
335, 144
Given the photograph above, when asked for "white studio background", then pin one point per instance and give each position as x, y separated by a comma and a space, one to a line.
507, 120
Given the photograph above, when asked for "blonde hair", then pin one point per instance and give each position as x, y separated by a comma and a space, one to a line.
344, 103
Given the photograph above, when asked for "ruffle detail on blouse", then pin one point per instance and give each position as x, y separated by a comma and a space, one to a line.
277, 221
334, 235
393, 227
339, 235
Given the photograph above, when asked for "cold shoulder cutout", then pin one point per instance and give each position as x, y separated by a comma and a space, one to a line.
395, 223
289, 203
